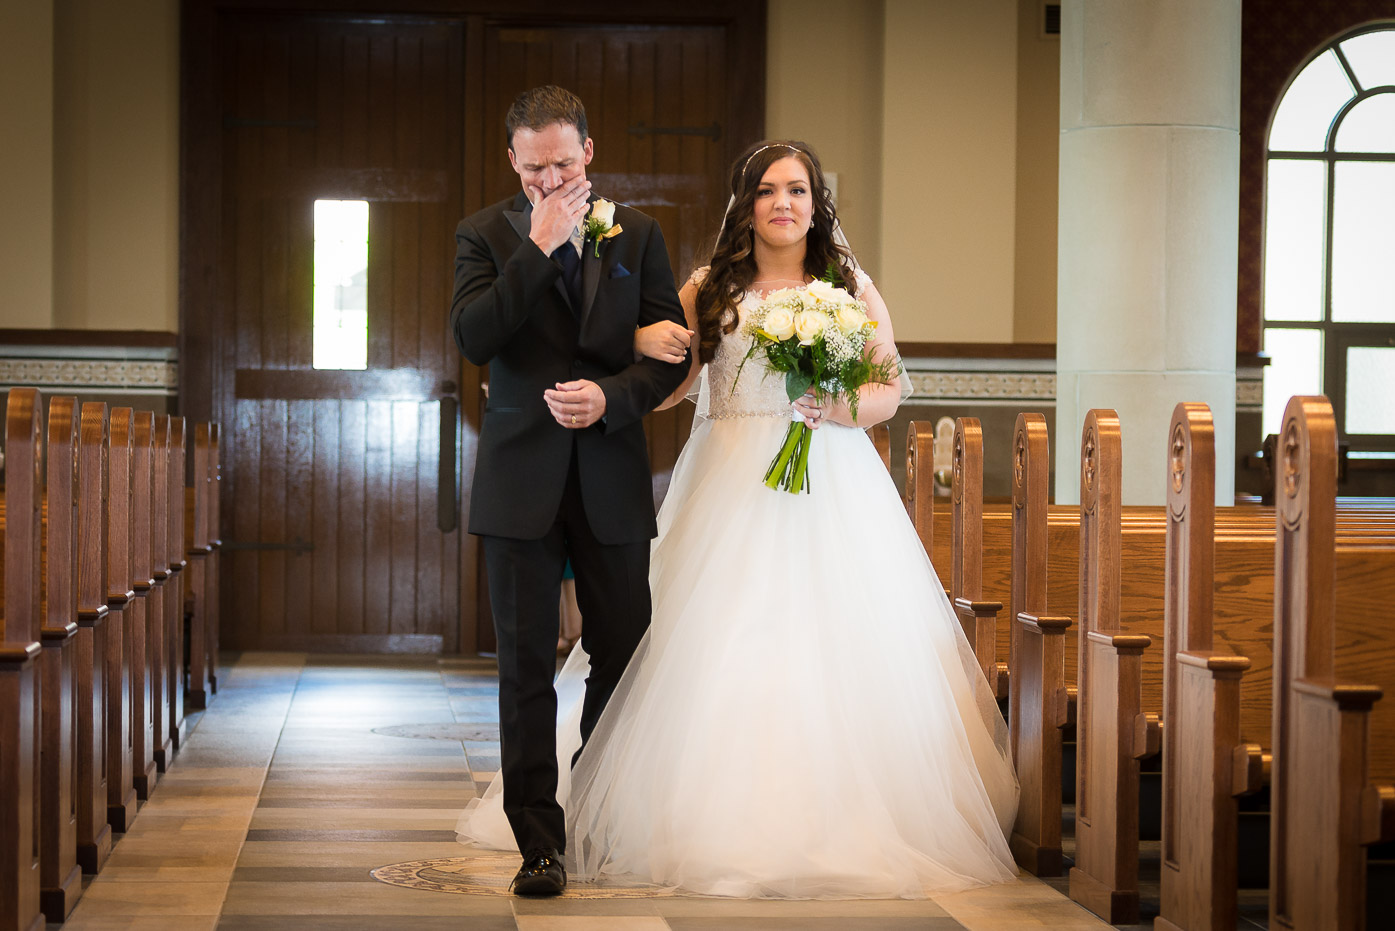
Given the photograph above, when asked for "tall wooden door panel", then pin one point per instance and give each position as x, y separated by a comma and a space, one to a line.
334, 528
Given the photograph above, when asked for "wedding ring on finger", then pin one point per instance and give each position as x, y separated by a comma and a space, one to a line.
573, 420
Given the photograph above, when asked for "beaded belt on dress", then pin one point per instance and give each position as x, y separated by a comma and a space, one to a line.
782, 414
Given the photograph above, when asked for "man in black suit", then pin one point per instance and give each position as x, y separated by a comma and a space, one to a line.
562, 468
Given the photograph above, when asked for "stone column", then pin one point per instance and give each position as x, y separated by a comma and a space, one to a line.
1150, 119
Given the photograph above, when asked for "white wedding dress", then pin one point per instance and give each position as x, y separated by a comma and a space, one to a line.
804, 718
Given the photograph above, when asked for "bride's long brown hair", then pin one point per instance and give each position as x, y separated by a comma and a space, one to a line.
733, 266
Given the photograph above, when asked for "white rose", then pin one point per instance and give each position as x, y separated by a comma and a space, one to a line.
850, 318
779, 323
808, 324
603, 211
823, 291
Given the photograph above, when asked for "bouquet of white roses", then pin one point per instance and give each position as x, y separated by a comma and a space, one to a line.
817, 336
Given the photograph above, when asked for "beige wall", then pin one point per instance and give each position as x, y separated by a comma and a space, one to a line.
940, 119
833, 101
26, 163
116, 164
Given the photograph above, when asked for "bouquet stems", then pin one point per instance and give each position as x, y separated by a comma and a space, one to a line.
789, 470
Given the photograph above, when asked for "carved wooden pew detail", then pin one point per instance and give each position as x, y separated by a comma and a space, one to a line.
140, 610
60, 878
121, 792
174, 599
163, 573
1036, 661
94, 832
19, 664
979, 617
1325, 747
1201, 690
1105, 876
920, 483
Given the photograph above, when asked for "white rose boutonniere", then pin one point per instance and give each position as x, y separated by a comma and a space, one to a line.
600, 223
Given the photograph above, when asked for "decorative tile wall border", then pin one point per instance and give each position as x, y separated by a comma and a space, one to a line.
1001, 386
93, 374
994, 386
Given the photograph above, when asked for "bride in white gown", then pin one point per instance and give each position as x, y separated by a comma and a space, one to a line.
805, 717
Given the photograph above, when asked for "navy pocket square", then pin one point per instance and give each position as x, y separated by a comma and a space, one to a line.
619, 271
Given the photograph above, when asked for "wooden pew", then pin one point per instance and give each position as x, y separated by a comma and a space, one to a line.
174, 600
19, 664
1201, 664
979, 617
121, 791
60, 879
1105, 876
1036, 661
200, 595
142, 608
920, 481
1199, 684
94, 832
163, 571
1333, 783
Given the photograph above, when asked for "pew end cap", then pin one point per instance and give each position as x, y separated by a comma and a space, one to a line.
1044, 623
1222, 665
1147, 735
1378, 815
58, 634
1251, 769
1348, 696
1125, 644
978, 608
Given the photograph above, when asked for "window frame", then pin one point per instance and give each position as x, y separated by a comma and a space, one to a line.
1337, 336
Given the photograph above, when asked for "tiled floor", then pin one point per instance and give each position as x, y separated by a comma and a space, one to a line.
285, 799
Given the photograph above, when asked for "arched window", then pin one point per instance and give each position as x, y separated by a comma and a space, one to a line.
1329, 239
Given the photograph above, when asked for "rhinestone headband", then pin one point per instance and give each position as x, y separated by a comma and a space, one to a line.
773, 145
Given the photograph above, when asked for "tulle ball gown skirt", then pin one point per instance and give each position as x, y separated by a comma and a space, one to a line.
805, 718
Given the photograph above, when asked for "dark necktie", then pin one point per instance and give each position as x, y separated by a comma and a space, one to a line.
565, 256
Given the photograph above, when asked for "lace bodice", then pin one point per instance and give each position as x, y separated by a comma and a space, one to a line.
759, 392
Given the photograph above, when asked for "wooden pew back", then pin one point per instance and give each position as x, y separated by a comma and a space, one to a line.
19, 650
1037, 697
1105, 876
1328, 745
978, 615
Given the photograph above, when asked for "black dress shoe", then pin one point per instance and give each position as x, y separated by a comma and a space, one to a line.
541, 874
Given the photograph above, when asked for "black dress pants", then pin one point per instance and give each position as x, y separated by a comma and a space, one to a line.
525, 579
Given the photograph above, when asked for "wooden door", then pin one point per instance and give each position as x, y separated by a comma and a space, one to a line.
340, 527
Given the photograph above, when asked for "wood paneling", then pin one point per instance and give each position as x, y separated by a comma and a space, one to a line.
324, 479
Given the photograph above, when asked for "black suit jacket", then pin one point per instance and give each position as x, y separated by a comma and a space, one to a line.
511, 311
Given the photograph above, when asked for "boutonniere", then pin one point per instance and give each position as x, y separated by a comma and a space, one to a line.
600, 223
